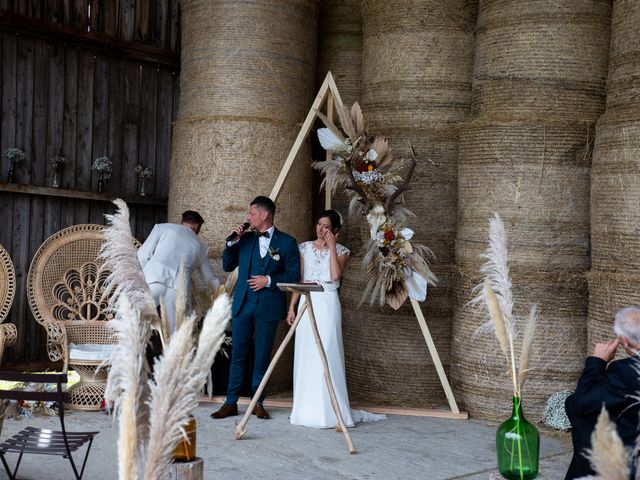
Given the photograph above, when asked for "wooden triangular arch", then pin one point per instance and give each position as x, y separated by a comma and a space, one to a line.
329, 97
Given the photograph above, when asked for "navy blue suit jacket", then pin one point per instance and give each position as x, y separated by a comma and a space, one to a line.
612, 387
286, 269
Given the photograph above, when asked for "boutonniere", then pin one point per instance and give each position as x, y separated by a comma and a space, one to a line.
274, 254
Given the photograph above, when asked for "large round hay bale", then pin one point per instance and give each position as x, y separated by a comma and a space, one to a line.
536, 176
540, 59
615, 193
615, 196
247, 82
608, 292
340, 47
417, 64
538, 89
623, 88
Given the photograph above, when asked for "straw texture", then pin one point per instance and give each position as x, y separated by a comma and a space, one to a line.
340, 51
416, 86
615, 181
247, 81
538, 89
246, 84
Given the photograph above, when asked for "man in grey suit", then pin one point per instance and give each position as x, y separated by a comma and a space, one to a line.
168, 246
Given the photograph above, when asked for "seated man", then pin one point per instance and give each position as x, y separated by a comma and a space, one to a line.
612, 386
167, 246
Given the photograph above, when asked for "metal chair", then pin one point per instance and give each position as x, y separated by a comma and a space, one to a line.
37, 440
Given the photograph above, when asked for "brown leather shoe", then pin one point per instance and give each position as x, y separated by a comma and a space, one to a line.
260, 412
226, 411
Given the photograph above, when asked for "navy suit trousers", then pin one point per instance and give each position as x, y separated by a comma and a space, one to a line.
246, 326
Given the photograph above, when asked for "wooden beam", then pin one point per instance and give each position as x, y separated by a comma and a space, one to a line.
411, 412
79, 194
22, 24
302, 135
435, 357
328, 154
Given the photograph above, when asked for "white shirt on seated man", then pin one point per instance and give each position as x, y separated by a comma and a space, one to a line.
168, 246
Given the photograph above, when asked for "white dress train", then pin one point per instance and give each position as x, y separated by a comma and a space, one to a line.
311, 401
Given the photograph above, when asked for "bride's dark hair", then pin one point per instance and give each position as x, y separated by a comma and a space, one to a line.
333, 216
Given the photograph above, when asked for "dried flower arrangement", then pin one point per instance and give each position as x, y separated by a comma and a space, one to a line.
143, 173
58, 162
364, 164
103, 166
14, 155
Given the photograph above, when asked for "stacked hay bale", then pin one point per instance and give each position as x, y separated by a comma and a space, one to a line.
614, 281
538, 88
417, 65
340, 52
246, 84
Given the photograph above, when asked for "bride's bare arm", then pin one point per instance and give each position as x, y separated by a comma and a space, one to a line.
291, 314
336, 262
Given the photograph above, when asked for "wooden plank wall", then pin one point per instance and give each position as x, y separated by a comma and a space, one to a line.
84, 103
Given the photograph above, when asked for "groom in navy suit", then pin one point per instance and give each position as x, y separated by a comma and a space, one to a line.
264, 257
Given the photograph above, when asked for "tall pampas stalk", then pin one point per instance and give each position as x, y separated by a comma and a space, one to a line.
126, 384
120, 256
495, 293
151, 413
607, 455
179, 376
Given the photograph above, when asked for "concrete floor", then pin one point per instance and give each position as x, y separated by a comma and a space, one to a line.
400, 447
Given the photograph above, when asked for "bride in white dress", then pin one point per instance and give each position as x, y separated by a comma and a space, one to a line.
323, 262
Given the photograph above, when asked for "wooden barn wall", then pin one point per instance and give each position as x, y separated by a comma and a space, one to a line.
83, 99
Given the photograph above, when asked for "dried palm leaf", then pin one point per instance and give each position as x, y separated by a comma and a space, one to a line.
381, 146
346, 123
357, 119
397, 295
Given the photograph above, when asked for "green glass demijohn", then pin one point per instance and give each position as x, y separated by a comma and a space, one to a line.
518, 446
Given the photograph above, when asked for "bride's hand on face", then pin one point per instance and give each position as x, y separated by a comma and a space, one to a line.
330, 238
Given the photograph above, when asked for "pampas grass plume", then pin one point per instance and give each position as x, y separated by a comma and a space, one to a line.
607, 454
527, 343
496, 317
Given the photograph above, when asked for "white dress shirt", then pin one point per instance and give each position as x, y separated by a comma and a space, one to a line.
263, 243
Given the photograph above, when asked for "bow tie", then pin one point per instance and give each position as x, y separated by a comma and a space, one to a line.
262, 234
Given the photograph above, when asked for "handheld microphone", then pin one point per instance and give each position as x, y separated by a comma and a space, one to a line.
234, 235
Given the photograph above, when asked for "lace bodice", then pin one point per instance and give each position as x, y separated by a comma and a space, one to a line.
317, 266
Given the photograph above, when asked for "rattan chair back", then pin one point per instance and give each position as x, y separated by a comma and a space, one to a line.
7, 283
66, 289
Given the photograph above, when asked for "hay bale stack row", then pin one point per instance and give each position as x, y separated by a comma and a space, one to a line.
247, 80
538, 89
614, 281
417, 64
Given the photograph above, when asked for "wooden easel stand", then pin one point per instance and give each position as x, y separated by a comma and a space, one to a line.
307, 306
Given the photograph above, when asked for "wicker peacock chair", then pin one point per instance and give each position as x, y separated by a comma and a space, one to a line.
8, 331
68, 297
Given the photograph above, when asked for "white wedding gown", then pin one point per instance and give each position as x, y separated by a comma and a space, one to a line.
311, 402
